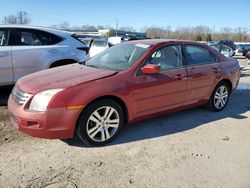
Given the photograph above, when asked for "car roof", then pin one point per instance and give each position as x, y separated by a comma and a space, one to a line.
47, 29
100, 40
164, 41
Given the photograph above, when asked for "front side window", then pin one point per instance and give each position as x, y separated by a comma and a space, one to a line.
119, 57
3, 37
198, 55
168, 57
30, 37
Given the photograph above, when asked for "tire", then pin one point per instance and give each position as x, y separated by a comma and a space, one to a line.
219, 98
100, 122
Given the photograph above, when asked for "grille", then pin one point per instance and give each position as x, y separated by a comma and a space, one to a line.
19, 96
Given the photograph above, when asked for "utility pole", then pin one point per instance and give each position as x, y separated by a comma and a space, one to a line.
116, 28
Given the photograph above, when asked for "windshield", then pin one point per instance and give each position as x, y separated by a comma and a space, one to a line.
119, 57
99, 43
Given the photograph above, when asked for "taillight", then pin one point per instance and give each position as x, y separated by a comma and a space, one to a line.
86, 49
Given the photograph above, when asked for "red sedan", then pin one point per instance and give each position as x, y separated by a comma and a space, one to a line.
126, 83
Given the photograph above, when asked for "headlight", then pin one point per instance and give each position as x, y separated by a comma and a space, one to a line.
41, 100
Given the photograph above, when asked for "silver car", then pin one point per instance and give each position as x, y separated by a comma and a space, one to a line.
27, 49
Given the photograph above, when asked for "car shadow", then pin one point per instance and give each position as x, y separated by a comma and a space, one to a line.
244, 74
4, 94
239, 103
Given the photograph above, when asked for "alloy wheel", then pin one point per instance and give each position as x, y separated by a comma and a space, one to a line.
221, 97
103, 123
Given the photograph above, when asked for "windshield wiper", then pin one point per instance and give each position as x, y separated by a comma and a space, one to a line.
90, 65
82, 62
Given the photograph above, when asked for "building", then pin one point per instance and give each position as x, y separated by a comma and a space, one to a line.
109, 32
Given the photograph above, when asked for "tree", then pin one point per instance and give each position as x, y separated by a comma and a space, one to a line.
198, 38
99, 27
88, 27
23, 18
64, 26
198, 33
184, 33
76, 28
241, 34
209, 38
226, 33
110, 33
20, 18
156, 33
127, 28
11, 19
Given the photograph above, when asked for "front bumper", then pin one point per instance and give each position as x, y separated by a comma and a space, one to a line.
54, 123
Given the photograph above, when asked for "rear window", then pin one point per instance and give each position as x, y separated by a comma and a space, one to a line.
198, 55
97, 43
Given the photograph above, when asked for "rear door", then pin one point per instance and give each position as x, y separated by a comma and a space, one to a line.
203, 72
32, 50
6, 71
162, 91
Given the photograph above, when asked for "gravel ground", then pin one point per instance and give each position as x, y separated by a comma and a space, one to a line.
192, 148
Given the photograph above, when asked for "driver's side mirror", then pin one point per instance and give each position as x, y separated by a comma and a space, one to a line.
150, 69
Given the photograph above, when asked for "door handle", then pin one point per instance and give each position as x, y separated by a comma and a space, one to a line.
52, 51
215, 69
4, 54
179, 76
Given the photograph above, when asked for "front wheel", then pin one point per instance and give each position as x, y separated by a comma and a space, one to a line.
100, 122
219, 97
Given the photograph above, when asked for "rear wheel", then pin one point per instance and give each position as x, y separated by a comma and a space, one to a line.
100, 122
219, 97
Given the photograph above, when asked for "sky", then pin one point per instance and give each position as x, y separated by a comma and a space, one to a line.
133, 13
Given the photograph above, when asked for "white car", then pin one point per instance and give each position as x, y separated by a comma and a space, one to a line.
115, 40
223, 49
27, 49
98, 46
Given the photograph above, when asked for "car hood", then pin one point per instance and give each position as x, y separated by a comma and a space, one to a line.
61, 77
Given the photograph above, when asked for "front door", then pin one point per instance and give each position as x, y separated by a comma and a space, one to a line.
162, 91
6, 69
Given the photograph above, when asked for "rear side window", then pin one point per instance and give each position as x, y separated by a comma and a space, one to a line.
4, 37
198, 55
31, 37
